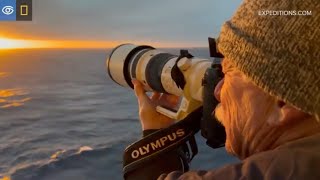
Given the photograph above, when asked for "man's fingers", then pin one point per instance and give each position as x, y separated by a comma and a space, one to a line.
139, 91
155, 96
164, 99
170, 100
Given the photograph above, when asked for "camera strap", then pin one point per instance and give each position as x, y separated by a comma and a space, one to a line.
164, 140
176, 73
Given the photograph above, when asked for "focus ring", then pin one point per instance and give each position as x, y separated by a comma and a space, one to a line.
154, 70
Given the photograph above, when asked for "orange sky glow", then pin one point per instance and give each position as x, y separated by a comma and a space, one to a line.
8, 43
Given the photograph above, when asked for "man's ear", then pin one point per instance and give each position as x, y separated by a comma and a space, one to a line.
289, 113
276, 116
283, 113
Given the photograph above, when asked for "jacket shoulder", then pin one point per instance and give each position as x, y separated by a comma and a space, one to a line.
299, 159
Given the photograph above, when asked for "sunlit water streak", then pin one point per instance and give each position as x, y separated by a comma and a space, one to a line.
13, 97
3, 74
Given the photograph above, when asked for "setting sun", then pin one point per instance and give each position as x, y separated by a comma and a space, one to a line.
6, 43
11, 44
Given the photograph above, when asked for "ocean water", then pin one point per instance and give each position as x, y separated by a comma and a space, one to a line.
61, 117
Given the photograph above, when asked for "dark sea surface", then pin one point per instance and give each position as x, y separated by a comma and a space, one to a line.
61, 117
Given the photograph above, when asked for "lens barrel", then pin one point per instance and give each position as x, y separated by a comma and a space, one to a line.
118, 62
144, 63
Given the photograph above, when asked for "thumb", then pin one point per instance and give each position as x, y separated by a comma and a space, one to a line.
139, 91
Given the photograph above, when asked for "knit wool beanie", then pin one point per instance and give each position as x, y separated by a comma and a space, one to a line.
278, 49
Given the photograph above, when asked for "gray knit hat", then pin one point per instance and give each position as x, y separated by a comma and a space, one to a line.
278, 48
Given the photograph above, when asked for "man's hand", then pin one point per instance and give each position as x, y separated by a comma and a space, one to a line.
149, 117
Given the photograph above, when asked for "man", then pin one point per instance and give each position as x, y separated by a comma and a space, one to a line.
270, 95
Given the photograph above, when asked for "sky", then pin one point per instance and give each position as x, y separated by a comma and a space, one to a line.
168, 22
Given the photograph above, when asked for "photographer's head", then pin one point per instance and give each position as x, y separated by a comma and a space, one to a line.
271, 91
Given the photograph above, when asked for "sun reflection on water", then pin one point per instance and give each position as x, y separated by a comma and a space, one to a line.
3, 74
14, 97
15, 103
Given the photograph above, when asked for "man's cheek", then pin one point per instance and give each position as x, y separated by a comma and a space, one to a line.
228, 147
220, 114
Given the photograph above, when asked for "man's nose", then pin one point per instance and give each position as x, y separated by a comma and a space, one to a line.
217, 90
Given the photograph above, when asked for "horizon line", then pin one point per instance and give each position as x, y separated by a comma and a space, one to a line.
8, 43
93, 48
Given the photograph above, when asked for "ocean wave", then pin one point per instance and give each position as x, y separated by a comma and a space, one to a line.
82, 163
